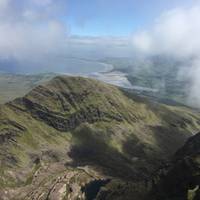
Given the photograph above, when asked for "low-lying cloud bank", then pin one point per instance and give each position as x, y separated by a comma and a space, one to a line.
30, 30
177, 34
33, 35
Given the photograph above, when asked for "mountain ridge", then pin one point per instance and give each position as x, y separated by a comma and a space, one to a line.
77, 122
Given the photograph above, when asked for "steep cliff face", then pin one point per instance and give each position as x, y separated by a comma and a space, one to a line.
105, 139
181, 179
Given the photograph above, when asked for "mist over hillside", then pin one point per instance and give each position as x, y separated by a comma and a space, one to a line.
161, 76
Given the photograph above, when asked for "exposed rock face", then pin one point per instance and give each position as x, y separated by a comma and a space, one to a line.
191, 148
49, 136
10, 129
66, 123
181, 179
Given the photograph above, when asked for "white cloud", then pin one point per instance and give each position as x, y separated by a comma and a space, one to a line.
176, 33
29, 31
34, 36
194, 75
143, 42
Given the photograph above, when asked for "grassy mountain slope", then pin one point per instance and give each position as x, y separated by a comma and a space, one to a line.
79, 134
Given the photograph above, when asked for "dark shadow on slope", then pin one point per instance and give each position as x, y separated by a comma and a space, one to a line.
91, 148
92, 188
133, 147
150, 157
169, 140
145, 158
138, 160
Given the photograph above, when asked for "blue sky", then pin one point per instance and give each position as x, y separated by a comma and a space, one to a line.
41, 32
115, 17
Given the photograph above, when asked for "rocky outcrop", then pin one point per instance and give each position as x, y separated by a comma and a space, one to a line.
9, 131
181, 179
66, 122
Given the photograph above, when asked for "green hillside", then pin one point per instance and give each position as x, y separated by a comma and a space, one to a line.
80, 138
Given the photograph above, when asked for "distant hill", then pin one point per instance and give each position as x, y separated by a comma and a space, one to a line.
14, 85
74, 137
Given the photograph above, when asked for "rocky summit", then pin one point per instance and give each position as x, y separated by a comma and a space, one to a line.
78, 138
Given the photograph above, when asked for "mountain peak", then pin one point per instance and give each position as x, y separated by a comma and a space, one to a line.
73, 122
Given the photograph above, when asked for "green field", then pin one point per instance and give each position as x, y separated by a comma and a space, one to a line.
13, 85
